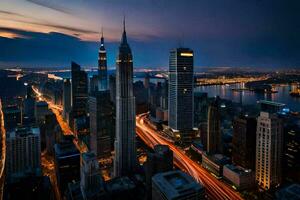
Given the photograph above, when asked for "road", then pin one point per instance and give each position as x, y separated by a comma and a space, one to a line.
47, 163
215, 189
57, 110
3, 151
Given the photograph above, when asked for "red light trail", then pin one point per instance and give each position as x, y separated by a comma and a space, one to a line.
215, 188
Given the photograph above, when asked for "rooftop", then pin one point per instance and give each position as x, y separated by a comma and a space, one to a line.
65, 148
23, 132
218, 158
41, 103
120, 184
176, 183
238, 169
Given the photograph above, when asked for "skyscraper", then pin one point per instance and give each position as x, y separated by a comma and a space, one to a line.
66, 163
67, 106
125, 159
200, 108
214, 136
79, 90
23, 153
102, 66
243, 141
268, 150
181, 79
91, 182
101, 119
158, 161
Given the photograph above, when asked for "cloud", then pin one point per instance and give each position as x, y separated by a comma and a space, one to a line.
45, 49
77, 31
52, 6
11, 13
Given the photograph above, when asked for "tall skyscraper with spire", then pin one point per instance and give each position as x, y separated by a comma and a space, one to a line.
125, 159
102, 66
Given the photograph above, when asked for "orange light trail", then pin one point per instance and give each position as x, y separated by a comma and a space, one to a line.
215, 188
57, 110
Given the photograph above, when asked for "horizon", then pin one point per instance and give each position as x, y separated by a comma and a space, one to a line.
37, 33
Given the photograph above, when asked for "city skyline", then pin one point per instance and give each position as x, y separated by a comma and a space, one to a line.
260, 33
85, 132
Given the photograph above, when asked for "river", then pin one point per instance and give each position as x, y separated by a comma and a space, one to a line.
225, 92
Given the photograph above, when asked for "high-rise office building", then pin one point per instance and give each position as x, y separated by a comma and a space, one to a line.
291, 164
125, 159
91, 182
268, 150
23, 148
29, 102
102, 66
164, 95
176, 185
200, 108
181, 102
66, 163
158, 161
13, 117
214, 135
112, 88
244, 141
67, 106
40, 111
94, 84
79, 91
270, 106
101, 123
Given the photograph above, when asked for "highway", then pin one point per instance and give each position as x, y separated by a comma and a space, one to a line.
215, 189
3, 151
57, 110
47, 163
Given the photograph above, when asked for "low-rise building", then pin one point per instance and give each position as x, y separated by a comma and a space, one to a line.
175, 185
240, 177
214, 163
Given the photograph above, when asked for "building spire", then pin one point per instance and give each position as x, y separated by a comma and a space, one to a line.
124, 37
102, 38
124, 24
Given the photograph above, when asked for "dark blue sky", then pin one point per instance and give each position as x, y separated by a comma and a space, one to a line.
258, 33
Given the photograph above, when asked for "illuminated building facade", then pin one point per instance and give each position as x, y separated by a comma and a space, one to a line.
102, 66
125, 145
268, 150
181, 80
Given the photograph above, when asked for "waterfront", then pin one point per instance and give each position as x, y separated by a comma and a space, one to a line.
225, 92
250, 97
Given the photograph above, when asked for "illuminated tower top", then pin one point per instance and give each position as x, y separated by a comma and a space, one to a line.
102, 65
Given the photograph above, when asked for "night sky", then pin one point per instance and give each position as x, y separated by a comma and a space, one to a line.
51, 33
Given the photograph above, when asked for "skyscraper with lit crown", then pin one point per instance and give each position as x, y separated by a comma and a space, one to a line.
102, 66
181, 94
125, 159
